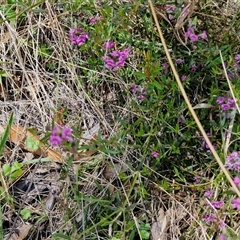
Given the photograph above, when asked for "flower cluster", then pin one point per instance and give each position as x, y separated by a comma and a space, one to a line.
77, 37
108, 45
138, 92
116, 59
60, 135
233, 161
226, 103
192, 36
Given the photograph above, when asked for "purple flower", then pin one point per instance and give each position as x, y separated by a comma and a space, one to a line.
235, 65
67, 134
77, 37
189, 31
116, 59
217, 204
194, 68
226, 103
93, 20
237, 57
233, 161
56, 130
222, 224
208, 193
55, 140
193, 37
221, 100
204, 35
138, 92
183, 78
108, 45
181, 119
210, 218
231, 102
165, 67
60, 134
197, 179
134, 88
222, 237
155, 154
225, 107
179, 61
236, 203
236, 180
169, 8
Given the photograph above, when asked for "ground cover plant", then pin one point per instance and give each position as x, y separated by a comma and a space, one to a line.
97, 141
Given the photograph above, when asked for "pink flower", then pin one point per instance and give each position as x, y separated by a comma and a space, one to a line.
67, 134
108, 45
189, 31
217, 204
208, 193
77, 37
183, 78
197, 179
236, 180
194, 68
134, 88
93, 20
193, 37
181, 119
233, 161
204, 35
55, 140
220, 100
60, 134
210, 218
169, 8
222, 237
225, 107
236, 203
237, 57
179, 61
155, 154
116, 59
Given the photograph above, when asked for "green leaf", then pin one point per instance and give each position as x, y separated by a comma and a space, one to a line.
6, 169
144, 234
26, 213
16, 166
5, 135
32, 143
16, 174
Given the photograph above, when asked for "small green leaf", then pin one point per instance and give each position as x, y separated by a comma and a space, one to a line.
32, 143
16, 174
25, 213
144, 234
6, 169
16, 166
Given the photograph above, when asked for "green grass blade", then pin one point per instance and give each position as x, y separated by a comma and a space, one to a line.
5, 135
